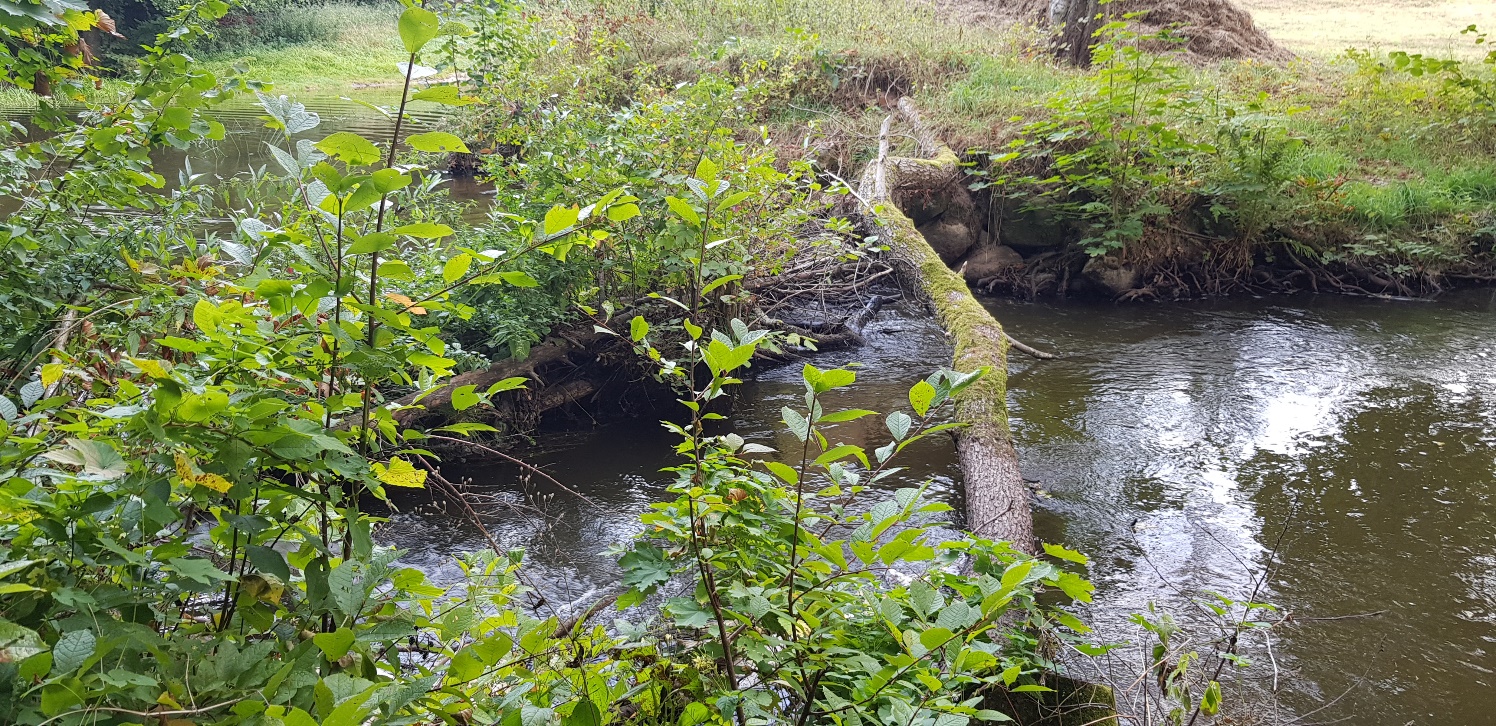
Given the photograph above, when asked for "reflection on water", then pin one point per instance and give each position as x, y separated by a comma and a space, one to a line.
1179, 441
1174, 443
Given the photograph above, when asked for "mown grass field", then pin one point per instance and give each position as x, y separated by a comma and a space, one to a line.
1328, 27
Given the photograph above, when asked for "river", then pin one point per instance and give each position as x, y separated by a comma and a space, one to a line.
1179, 445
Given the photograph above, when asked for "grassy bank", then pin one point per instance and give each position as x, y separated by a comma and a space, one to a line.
317, 49
1338, 161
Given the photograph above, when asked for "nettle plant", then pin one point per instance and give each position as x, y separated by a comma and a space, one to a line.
182, 536
802, 593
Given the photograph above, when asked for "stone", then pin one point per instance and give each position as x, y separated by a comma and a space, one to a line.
989, 261
1034, 230
1110, 276
950, 240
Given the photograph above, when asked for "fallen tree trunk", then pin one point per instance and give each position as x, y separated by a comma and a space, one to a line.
997, 497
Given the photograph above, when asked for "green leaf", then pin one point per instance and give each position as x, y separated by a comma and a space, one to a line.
424, 230
417, 27
559, 219
920, 397
10, 568
371, 243
437, 142
1210, 703
785, 472
935, 637
638, 328
684, 210
508, 384
396, 270
269, 561
694, 713
719, 282
834, 379
463, 398
898, 424
841, 452
400, 473
98, 458
72, 650
457, 267
623, 212
446, 95
350, 148
586, 713
851, 414
1054, 550
389, 180
644, 567
334, 645
18, 643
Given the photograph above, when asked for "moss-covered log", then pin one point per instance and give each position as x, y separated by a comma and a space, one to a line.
997, 498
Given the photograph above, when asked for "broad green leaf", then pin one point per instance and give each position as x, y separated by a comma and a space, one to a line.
464, 398
559, 219
349, 148
446, 95
684, 210
437, 142
400, 473
638, 328
18, 643
623, 212
785, 472
396, 270
417, 27
73, 648
508, 384
851, 414
920, 397
457, 267
424, 230
585, 713
1054, 550
334, 645
719, 282
371, 243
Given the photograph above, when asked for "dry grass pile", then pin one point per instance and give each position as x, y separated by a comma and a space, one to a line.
1216, 29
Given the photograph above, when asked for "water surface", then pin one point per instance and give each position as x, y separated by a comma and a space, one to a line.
1180, 445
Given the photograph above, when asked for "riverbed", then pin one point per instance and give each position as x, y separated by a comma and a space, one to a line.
1185, 447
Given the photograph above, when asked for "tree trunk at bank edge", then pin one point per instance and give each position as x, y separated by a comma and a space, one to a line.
1075, 25
997, 498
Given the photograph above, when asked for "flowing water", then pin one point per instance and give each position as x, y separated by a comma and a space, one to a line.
1181, 446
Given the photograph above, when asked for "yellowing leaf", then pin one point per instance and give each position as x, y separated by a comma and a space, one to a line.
400, 473
214, 482
152, 368
51, 373
184, 467
408, 304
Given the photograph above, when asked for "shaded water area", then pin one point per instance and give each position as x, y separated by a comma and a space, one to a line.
1177, 444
